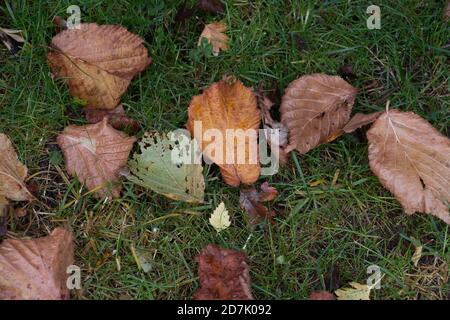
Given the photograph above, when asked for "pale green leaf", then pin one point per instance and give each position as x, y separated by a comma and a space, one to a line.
171, 167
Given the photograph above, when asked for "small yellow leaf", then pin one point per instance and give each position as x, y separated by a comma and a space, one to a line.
220, 219
356, 292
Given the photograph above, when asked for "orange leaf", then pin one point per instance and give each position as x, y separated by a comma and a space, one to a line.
215, 34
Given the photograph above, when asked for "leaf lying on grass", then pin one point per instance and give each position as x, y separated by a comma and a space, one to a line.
228, 106
314, 108
116, 118
250, 200
98, 62
223, 274
36, 269
11, 39
321, 295
356, 292
412, 160
169, 167
211, 6
95, 153
215, 34
220, 219
12, 173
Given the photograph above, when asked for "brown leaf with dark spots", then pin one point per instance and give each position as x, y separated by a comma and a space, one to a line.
211, 6
97, 62
95, 153
412, 160
116, 118
321, 295
224, 275
228, 106
36, 269
251, 201
314, 108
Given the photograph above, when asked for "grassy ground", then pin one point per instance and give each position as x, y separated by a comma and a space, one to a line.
325, 236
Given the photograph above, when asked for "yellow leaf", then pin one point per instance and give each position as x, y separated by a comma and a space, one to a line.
356, 292
220, 219
417, 255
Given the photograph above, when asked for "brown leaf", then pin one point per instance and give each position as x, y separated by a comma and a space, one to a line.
314, 108
225, 106
12, 173
98, 62
116, 118
250, 200
211, 6
36, 269
412, 160
215, 34
223, 274
360, 120
95, 153
4, 205
321, 295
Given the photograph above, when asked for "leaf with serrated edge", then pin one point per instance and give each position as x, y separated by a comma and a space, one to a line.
215, 34
95, 153
98, 62
153, 167
356, 292
220, 219
315, 108
412, 160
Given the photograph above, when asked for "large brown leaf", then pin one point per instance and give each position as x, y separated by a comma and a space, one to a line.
223, 274
36, 269
412, 160
225, 106
95, 153
314, 108
12, 173
98, 62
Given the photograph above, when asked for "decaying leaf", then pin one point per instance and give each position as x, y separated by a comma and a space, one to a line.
277, 145
412, 160
417, 255
314, 108
170, 165
360, 120
11, 39
3, 215
95, 153
224, 275
36, 269
116, 118
251, 201
321, 295
356, 291
228, 107
220, 219
98, 62
215, 34
211, 6
12, 173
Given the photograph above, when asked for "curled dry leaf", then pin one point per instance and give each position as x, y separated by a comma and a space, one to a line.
170, 165
116, 118
215, 34
12, 173
211, 6
321, 295
412, 160
228, 107
224, 275
36, 269
98, 62
359, 120
95, 153
314, 108
12, 39
277, 145
250, 200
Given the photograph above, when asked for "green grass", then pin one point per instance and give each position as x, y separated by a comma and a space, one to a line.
325, 236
